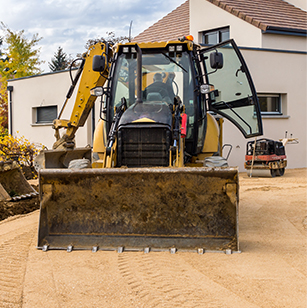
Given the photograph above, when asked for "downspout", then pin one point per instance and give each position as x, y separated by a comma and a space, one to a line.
10, 89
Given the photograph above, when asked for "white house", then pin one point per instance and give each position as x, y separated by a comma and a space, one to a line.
35, 101
272, 36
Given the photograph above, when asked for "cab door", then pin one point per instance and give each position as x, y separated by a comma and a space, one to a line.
234, 96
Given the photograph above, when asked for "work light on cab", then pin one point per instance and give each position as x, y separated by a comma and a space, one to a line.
206, 88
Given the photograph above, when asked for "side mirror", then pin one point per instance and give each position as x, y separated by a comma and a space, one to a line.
99, 63
216, 60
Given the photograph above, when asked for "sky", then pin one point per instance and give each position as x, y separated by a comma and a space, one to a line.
70, 23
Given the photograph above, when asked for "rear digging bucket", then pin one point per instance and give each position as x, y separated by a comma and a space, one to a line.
13, 184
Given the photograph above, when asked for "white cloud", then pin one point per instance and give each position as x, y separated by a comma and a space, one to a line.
70, 24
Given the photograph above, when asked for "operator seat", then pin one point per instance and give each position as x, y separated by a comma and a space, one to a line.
157, 87
154, 96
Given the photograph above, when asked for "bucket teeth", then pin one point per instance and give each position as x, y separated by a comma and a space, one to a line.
173, 250
69, 248
200, 251
228, 251
95, 248
120, 249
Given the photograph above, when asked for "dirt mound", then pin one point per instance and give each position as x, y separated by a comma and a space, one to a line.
24, 206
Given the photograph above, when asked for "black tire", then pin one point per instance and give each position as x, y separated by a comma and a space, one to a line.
274, 173
281, 171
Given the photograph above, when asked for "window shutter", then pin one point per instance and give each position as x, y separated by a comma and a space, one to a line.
46, 114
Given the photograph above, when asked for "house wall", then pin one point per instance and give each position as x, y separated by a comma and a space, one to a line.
205, 16
302, 4
272, 72
43, 90
284, 42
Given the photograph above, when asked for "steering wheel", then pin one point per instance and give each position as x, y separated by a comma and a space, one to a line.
175, 87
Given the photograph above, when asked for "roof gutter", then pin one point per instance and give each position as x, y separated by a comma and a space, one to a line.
285, 31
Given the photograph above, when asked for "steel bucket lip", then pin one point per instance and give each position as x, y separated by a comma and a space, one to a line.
83, 242
216, 171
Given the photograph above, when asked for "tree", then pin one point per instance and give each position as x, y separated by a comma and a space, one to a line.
19, 58
3, 117
1, 42
110, 39
60, 61
18, 148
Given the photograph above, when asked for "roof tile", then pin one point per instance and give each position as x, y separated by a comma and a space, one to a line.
266, 13
260, 13
175, 24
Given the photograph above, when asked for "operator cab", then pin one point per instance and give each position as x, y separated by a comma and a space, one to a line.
166, 72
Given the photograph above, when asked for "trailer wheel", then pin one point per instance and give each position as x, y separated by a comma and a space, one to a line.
281, 171
273, 173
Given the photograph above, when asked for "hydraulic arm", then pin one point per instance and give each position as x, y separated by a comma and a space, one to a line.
84, 99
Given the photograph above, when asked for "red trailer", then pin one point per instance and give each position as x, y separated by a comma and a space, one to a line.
267, 158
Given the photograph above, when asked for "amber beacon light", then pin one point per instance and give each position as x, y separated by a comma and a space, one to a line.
189, 37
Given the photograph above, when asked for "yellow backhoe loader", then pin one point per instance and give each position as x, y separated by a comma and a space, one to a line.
155, 178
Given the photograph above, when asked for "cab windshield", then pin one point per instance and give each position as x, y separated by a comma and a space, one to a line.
163, 77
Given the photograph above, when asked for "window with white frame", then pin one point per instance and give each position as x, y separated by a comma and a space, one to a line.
270, 104
212, 37
44, 114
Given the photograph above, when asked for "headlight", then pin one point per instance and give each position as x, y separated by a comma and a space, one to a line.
97, 91
206, 88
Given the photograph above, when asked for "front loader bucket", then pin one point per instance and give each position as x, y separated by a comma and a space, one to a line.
13, 184
139, 208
